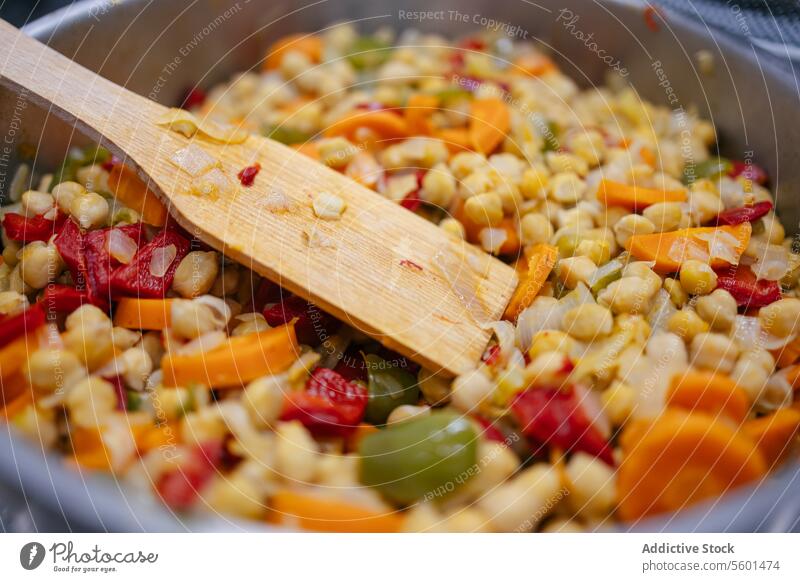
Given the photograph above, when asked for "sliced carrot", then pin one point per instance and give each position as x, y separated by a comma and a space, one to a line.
384, 124
135, 194
534, 64
308, 148
649, 157
683, 459
788, 354
775, 433
318, 514
234, 363
14, 355
512, 243
133, 313
613, 193
708, 392
15, 394
308, 44
669, 249
488, 125
418, 111
151, 437
540, 262
455, 138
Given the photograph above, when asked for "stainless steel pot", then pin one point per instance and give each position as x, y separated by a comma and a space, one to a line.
162, 48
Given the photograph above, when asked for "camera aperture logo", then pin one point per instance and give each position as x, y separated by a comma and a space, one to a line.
31, 555
67, 559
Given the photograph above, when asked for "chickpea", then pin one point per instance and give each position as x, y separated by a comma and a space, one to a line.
435, 389
678, 296
588, 322
719, 309
566, 188
90, 210
263, 399
137, 365
484, 209
51, 369
534, 183
618, 402
406, 412
627, 295
196, 274
227, 281
453, 227
566, 163
703, 206
592, 485
10, 250
536, 229
630, 225
697, 277
643, 271
91, 401
87, 317
40, 264
465, 163
750, 375
296, 452
336, 151
470, 390
781, 317
16, 283
665, 216
191, 319
92, 344
35, 203
687, 324
438, 186
599, 251
714, 351
12, 303
65, 192
574, 270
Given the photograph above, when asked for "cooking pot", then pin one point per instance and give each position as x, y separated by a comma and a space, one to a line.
160, 49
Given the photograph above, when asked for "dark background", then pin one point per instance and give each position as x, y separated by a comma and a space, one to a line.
18, 12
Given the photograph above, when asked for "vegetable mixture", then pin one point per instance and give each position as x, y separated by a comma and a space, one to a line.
647, 360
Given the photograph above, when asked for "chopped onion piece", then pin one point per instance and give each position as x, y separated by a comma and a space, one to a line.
223, 132
121, 246
721, 245
179, 120
278, 201
162, 259
773, 264
204, 343
212, 184
222, 311
506, 336
193, 160
187, 124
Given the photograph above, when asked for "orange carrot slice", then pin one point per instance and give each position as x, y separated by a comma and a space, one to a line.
15, 394
385, 124
308, 148
14, 355
683, 459
328, 515
455, 138
541, 259
714, 394
236, 362
669, 249
775, 433
133, 313
489, 124
418, 111
512, 243
135, 194
635, 197
308, 44
788, 354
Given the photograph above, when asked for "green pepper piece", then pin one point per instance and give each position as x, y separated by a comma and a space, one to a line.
711, 168
368, 52
428, 456
605, 275
550, 136
286, 135
389, 387
453, 95
75, 160
134, 401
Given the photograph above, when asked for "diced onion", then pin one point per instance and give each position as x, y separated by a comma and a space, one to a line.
748, 334
212, 184
162, 259
193, 160
121, 246
204, 343
506, 336
277, 201
721, 245
773, 263
222, 311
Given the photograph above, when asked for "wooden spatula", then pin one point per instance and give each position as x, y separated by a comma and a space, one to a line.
379, 267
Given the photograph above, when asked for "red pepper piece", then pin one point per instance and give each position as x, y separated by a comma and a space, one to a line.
64, 299
734, 216
16, 326
492, 355
135, 278
266, 292
490, 431
412, 201
749, 171
69, 244
180, 487
100, 264
330, 405
195, 97
352, 367
248, 175
747, 290
554, 418
23, 229
313, 326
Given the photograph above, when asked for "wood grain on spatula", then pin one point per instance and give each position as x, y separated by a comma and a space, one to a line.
379, 268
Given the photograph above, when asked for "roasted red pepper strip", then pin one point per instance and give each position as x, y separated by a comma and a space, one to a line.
750, 171
23, 229
313, 326
748, 291
555, 418
16, 326
69, 243
64, 299
330, 405
135, 278
734, 216
179, 487
99, 262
